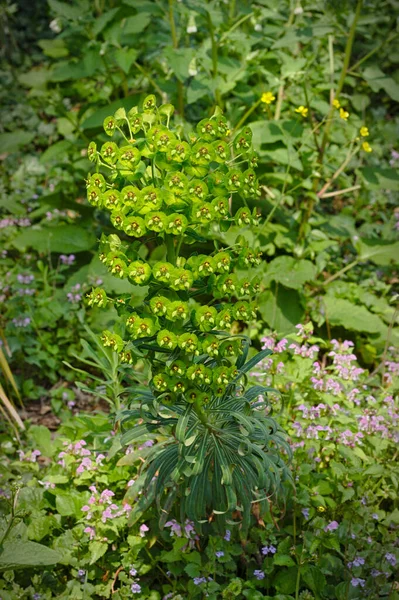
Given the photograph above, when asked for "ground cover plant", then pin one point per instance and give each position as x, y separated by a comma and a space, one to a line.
121, 478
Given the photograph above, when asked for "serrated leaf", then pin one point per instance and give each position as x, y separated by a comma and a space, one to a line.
283, 560
97, 550
290, 272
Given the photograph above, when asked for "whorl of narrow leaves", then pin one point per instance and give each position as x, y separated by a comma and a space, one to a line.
176, 191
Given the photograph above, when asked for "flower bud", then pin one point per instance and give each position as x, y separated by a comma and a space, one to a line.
166, 339
177, 311
139, 272
159, 305
109, 126
110, 152
188, 342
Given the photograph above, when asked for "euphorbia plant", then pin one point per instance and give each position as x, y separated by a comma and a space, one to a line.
218, 451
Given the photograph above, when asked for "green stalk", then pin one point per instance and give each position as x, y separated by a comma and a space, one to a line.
214, 57
345, 66
247, 114
200, 413
175, 43
170, 249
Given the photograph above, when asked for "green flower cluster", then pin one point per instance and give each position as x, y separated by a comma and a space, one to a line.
175, 191
174, 195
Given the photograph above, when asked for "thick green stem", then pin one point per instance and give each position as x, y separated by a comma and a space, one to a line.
345, 66
170, 249
200, 413
214, 58
175, 42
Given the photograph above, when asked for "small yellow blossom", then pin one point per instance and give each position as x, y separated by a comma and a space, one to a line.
302, 110
336, 103
366, 147
364, 132
343, 114
268, 97
321, 509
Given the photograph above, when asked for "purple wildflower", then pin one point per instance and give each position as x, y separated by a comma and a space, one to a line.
136, 588
219, 553
268, 550
356, 581
143, 530
331, 526
259, 575
390, 558
227, 535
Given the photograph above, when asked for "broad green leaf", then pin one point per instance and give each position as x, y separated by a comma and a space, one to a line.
378, 251
69, 504
42, 438
67, 10
97, 550
125, 57
291, 272
19, 555
66, 239
179, 60
378, 80
39, 527
55, 151
281, 309
54, 48
314, 578
381, 178
11, 142
73, 69
36, 78
343, 313
136, 23
285, 580
102, 21
283, 560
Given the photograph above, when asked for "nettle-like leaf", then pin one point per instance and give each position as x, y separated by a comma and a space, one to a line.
217, 450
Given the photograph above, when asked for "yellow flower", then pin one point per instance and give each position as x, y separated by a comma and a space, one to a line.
336, 103
321, 509
267, 97
366, 147
302, 110
343, 114
364, 132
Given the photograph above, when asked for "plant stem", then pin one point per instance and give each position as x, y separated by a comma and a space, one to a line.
372, 52
170, 249
150, 79
175, 42
280, 95
337, 172
247, 114
339, 192
341, 81
298, 582
200, 413
214, 58
341, 272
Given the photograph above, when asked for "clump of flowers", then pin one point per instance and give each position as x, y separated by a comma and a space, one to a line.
177, 190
